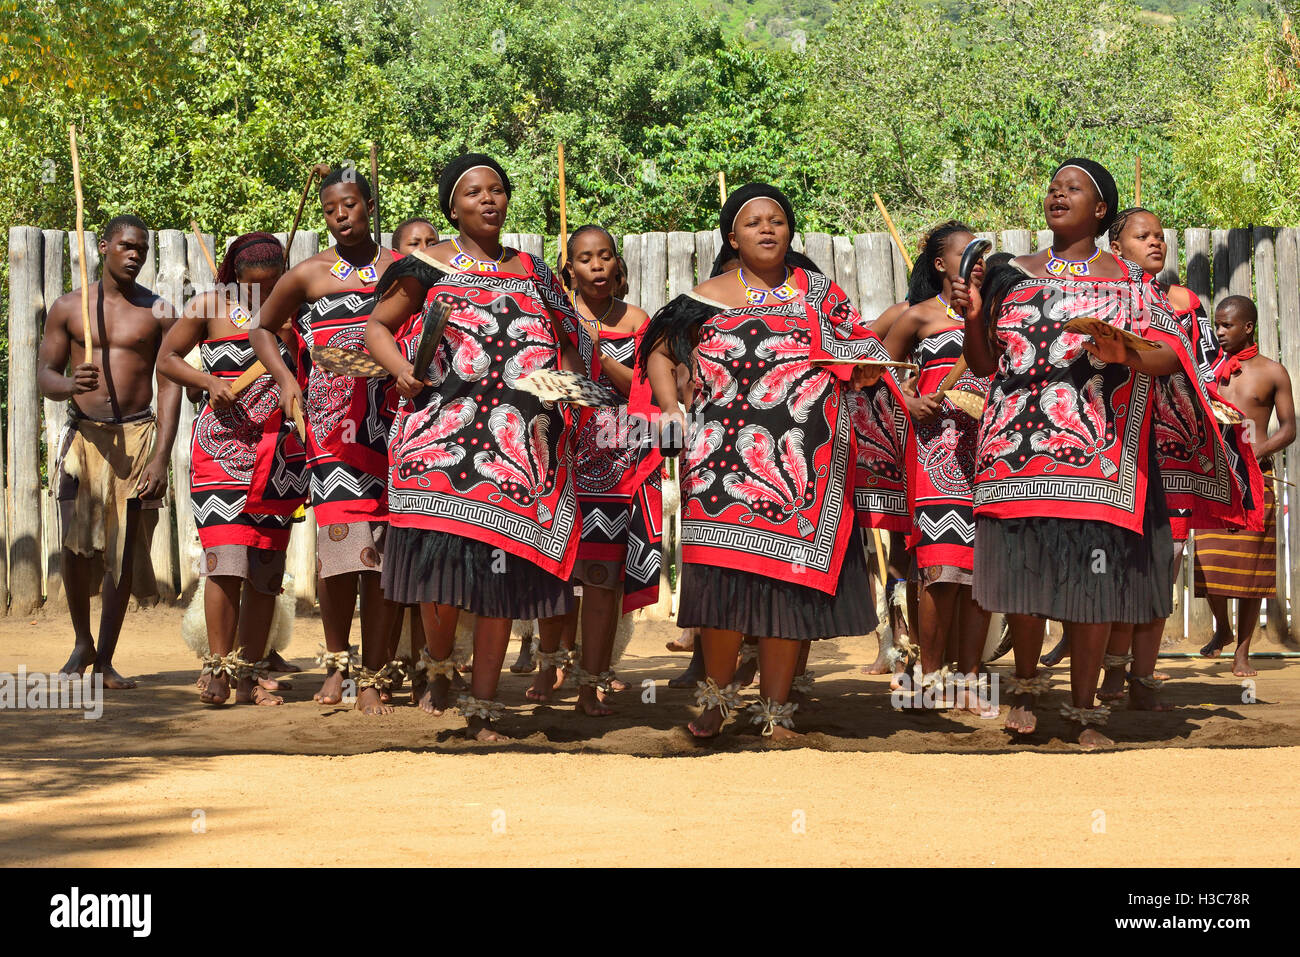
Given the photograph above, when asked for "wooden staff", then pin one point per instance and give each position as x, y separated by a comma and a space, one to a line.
312, 173
1137, 182
564, 214
889, 223
81, 241
374, 186
722, 188
253, 372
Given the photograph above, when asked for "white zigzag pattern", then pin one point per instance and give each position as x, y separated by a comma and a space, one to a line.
613, 526
226, 511
950, 522
341, 480
642, 559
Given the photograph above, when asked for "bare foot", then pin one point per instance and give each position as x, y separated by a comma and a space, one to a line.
1161, 676
1216, 644
1112, 684
708, 724
480, 729
1241, 664
616, 685
1142, 698
458, 682
590, 703
435, 699
1090, 739
82, 657
217, 689
249, 691
683, 642
782, 735
1057, 654
1021, 718
525, 664
114, 680
272, 684
689, 678
969, 700
900, 669
369, 702
276, 663
331, 692
543, 685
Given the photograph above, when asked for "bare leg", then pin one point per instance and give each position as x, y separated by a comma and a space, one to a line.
76, 584
1247, 619
1060, 652
550, 636
255, 611
491, 637
113, 610
378, 618
779, 658
1146, 646
221, 613
746, 669
1027, 645
338, 597
1120, 644
719, 648
1087, 646
936, 604
694, 670
600, 614
800, 667
439, 627
1222, 626
972, 628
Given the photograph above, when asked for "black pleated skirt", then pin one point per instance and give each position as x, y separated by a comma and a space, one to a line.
426, 566
1075, 570
762, 607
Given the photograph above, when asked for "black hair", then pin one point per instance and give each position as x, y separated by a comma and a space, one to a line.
249, 251
1000, 276
566, 271
407, 224
1244, 303
346, 174
926, 282
1121, 220
119, 223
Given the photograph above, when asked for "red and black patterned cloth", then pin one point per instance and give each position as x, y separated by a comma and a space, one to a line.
247, 467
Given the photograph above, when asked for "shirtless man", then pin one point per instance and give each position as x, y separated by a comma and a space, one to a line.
1241, 564
347, 426
115, 453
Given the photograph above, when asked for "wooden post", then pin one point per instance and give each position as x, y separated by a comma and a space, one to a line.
1169, 275
901, 273
534, 244
54, 416
681, 263
1043, 239
300, 558
796, 242
26, 317
564, 212
172, 282
1239, 283
875, 263
846, 266
817, 247
632, 243
1016, 241
1266, 330
706, 250
1287, 255
654, 271
1200, 622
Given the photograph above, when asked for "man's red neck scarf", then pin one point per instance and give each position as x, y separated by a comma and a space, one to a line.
1229, 363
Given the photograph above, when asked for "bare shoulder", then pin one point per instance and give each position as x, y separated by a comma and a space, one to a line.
1180, 297
716, 287
1033, 262
635, 314
69, 304
154, 304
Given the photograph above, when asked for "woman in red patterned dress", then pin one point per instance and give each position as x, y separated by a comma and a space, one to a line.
770, 547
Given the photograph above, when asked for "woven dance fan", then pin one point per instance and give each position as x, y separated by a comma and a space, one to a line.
1225, 414
972, 403
349, 362
557, 385
1091, 326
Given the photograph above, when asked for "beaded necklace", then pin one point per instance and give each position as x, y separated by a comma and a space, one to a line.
463, 260
757, 297
367, 273
952, 313
1077, 267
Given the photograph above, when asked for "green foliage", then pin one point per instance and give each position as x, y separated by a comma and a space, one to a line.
1240, 145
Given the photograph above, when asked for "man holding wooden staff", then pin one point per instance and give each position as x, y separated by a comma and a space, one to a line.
114, 450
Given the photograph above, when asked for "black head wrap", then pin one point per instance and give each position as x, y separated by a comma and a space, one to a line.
1105, 184
458, 168
731, 209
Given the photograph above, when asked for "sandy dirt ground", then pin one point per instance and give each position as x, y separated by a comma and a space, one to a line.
160, 779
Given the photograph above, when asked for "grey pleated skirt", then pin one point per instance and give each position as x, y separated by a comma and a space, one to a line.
1075, 570
427, 566
762, 607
